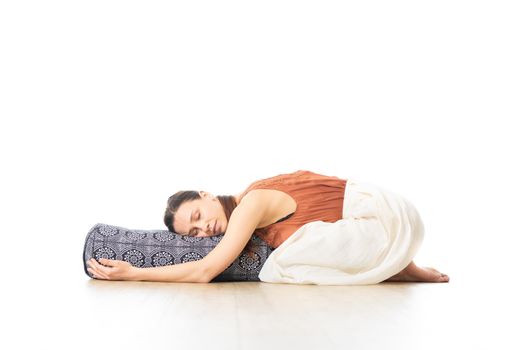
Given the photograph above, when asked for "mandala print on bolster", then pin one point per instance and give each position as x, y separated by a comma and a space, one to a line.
151, 248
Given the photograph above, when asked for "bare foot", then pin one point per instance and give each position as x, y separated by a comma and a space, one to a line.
413, 273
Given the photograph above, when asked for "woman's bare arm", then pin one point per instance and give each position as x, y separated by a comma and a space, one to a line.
243, 221
118, 270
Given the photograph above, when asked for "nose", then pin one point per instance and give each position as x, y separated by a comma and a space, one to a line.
209, 228
206, 229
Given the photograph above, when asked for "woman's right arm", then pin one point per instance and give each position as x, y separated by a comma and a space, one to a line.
118, 270
243, 221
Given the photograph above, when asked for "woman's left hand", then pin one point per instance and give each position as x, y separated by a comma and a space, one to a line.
115, 270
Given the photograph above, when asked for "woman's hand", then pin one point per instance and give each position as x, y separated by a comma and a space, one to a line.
115, 270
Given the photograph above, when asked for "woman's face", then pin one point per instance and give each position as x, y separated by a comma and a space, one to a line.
200, 217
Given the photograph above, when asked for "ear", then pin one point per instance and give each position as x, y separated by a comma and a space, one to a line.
205, 194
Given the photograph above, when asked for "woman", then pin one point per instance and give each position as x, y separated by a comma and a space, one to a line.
272, 208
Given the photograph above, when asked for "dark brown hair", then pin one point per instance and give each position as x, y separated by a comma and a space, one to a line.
227, 202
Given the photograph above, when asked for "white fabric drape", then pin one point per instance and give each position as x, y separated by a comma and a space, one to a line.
378, 236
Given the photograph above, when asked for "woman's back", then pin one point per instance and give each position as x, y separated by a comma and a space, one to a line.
314, 197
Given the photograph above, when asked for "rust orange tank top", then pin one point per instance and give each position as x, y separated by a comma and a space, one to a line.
318, 198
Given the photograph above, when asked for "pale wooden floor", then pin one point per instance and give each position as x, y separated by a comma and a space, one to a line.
48, 303
85, 314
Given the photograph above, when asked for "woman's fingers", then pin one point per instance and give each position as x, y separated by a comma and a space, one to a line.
99, 271
94, 274
94, 271
109, 262
110, 269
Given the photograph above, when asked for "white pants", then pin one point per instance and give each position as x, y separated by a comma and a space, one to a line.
378, 236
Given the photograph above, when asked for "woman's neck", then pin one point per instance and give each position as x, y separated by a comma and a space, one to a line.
237, 198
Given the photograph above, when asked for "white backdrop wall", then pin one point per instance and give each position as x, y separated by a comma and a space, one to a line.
109, 107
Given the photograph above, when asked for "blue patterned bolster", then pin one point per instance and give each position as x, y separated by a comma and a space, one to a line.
150, 248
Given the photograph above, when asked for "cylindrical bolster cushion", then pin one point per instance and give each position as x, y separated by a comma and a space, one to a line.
150, 248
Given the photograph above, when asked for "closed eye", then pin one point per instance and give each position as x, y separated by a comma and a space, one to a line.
195, 231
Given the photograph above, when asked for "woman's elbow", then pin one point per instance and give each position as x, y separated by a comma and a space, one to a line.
203, 275
203, 278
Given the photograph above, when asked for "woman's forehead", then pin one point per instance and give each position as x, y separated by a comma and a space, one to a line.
183, 215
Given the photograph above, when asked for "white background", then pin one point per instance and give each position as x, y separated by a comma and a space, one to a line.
109, 107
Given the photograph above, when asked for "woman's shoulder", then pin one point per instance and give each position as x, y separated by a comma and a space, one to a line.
268, 199
260, 199
272, 204
258, 195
